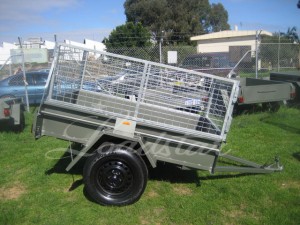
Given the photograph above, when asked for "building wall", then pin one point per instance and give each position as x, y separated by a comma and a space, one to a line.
94, 45
5, 51
222, 44
38, 49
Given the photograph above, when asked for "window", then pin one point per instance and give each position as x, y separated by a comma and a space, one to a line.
19, 81
40, 79
16, 81
221, 62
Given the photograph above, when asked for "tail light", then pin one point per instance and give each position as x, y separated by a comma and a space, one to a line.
293, 95
6, 112
240, 99
205, 99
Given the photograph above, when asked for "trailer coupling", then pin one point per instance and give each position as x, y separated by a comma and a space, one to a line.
248, 166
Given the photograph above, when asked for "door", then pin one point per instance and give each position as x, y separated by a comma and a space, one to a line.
39, 80
17, 87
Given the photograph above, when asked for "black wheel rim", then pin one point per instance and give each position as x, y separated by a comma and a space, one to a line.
114, 178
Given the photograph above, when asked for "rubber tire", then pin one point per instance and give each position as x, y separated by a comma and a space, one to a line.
20, 127
271, 106
117, 161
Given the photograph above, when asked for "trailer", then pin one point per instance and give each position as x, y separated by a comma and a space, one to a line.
128, 114
269, 93
292, 77
12, 114
252, 91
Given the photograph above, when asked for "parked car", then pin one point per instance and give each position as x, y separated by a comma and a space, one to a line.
14, 86
44, 70
213, 63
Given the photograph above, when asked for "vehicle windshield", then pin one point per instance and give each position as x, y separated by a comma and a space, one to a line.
201, 61
221, 62
206, 61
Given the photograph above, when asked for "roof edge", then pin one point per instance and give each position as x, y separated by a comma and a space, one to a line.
229, 34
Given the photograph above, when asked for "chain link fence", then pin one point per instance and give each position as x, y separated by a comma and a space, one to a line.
12, 68
284, 56
239, 61
9, 68
270, 57
155, 53
14, 64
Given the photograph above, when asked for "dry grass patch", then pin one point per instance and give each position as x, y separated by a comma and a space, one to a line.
288, 184
154, 216
151, 194
182, 190
234, 215
12, 193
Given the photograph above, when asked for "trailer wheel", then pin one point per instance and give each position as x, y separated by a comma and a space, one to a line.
20, 127
116, 177
271, 106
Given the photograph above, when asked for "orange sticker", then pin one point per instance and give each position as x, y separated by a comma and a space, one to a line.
126, 123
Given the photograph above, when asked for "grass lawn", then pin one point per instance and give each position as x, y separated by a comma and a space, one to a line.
263, 73
35, 189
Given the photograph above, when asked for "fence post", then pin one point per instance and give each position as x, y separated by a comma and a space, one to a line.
24, 75
160, 50
10, 69
256, 52
298, 67
160, 46
278, 59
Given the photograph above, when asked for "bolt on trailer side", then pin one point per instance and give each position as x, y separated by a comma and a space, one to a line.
143, 108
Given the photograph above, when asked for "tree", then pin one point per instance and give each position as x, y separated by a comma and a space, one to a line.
176, 20
292, 35
218, 18
128, 35
280, 49
149, 13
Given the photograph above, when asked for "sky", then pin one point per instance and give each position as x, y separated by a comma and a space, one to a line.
79, 19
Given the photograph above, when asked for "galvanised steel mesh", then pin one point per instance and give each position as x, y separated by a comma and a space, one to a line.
152, 94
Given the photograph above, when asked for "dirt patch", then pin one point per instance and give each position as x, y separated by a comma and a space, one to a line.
151, 194
240, 212
182, 190
12, 193
290, 184
151, 216
237, 213
144, 221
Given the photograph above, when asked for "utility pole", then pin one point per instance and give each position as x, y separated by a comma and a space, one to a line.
160, 46
24, 74
256, 52
278, 54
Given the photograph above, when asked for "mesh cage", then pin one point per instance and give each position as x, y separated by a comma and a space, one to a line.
155, 95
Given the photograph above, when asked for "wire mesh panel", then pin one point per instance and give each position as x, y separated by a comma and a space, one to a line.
151, 94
